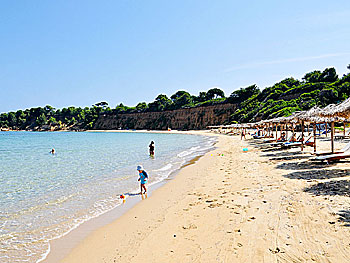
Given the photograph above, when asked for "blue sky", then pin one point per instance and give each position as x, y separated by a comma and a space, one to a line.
77, 53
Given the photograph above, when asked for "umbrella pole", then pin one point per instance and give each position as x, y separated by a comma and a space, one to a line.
286, 130
344, 129
302, 135
276, 133
314, 128
326, 128
332, 136
281, 130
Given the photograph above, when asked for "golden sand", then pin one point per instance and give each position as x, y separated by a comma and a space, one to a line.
234, 206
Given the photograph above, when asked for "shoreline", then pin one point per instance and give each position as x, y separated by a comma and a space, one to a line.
61, 246
213, 210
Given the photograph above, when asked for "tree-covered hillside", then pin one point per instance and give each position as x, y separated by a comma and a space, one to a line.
315, 88
49, 118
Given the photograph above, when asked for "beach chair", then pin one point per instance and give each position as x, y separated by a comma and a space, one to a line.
273, 141
342, 137
298, 143
323, 129
269, 140
332, 157
346, 148
275, 144
262, 136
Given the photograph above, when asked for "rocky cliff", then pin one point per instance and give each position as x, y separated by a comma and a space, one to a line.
181, 119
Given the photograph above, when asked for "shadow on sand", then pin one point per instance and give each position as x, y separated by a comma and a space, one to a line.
282, 154
289, 158
333, 188
318, 174
344, 216
306, 165
271, 149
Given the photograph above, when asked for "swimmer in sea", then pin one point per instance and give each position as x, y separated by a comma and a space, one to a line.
151, 148
52, 151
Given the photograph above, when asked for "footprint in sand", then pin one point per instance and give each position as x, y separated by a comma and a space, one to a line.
190, 226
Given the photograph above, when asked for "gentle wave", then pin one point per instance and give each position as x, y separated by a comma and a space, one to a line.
165, 168
84, 180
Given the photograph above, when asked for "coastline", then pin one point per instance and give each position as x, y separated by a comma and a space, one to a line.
232, 206
61, 246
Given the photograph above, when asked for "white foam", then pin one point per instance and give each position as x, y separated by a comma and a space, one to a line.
164, 168
157, 175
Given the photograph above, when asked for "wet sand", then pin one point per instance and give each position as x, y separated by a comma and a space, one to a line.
264, 205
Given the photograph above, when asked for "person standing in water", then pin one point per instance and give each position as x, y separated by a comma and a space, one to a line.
143, 178
52, 151
151, 148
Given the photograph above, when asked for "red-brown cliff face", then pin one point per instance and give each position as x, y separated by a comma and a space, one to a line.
181, 119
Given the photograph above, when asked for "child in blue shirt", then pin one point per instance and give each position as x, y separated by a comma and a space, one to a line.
143, 177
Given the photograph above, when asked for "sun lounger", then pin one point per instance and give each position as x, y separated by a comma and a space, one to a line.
291, 144
346, 148
332, 157
342, 136
288, 145
278, 143
262, 136
269, 140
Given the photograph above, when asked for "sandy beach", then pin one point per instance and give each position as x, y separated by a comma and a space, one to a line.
234, 206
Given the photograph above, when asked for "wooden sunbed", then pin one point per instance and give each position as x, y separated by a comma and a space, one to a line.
332, 157
341, 137
289, 145
278, 143
262, 137
346, 148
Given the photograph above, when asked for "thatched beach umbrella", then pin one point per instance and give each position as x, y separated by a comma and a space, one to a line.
310, 116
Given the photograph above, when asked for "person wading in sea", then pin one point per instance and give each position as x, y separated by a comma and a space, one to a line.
151, 148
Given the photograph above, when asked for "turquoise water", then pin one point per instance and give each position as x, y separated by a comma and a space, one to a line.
44, 196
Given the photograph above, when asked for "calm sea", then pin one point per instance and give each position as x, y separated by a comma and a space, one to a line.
44, 196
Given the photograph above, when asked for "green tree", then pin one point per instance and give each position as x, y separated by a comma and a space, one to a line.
72, 121
161, 103
177, 95
243, 94
201, 97
102, 104
314, 76
329, 75
41, 120
49, 111
290, 82
142, 106
52, 121
12, 119
215, 93
184, 100
181, 98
